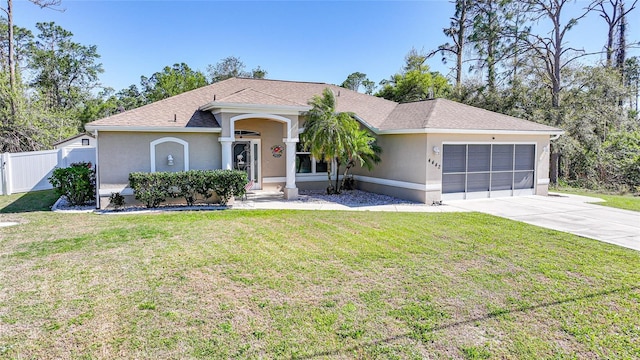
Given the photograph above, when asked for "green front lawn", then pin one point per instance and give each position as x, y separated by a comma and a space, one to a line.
311, 284
27, 202
626, 202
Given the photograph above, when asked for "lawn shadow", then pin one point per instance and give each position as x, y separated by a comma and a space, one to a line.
485, 317
28, 202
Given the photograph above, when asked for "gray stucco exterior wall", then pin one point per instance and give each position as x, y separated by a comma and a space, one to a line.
121, 153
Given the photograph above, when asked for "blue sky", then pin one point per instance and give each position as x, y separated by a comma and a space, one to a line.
320, 41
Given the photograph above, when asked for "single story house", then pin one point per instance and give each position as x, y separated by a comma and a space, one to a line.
433, 150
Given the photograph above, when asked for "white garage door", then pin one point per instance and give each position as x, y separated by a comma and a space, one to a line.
471, 171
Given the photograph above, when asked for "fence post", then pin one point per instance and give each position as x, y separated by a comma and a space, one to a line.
6, 162
2, 189
62, 158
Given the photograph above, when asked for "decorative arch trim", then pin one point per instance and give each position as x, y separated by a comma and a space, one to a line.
274, 117
154, 143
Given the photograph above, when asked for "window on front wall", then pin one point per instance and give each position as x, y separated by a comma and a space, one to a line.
307, 164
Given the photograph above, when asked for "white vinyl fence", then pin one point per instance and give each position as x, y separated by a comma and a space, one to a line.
30, 171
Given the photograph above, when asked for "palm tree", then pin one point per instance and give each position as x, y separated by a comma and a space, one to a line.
362, 150
324, 134
330, 136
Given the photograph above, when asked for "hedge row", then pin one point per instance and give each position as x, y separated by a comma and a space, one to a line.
154, 188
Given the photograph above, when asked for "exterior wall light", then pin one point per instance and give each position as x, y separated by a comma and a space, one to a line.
170, 160
436, 150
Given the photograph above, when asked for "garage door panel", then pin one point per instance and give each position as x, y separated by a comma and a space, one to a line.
453, 183
523, 192
501, 193
454, 159
502, 158
478, 182
477, 195
488, 170
501, 181
525, 157
479, 158
523, 179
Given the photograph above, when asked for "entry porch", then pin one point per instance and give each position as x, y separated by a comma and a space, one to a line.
263, 145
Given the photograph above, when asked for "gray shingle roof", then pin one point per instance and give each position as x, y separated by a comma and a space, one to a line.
251, 96
447, 114
377, 113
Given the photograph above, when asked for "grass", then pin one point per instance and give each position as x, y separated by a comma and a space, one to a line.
626, 202
311, 284
27, 202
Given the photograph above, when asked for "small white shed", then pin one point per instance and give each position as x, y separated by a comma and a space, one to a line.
83, 140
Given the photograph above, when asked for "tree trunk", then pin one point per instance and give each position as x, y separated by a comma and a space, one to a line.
556, 78
621, 54
11, 61
491, 51
516, 55
461, 40
637, 93
346, 172
337, 188
610, 50
553, 166
555, 94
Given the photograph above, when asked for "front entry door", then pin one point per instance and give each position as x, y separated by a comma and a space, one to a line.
246, 157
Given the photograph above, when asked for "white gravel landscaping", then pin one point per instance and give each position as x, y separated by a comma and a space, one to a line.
62, 205
350, 198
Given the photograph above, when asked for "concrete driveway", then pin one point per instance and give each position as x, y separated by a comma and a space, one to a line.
569, 213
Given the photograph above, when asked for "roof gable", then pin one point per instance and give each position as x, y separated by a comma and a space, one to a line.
251, 96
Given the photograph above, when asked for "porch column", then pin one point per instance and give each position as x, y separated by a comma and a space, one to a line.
226, 153
290, 190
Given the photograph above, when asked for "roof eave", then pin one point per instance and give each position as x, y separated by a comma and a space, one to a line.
117, 128
470, 131
372, 128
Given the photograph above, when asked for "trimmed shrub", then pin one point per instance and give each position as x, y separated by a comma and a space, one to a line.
153, 188
77, 183
189, 184
228, 183
150, 188
117, 200
201, 183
